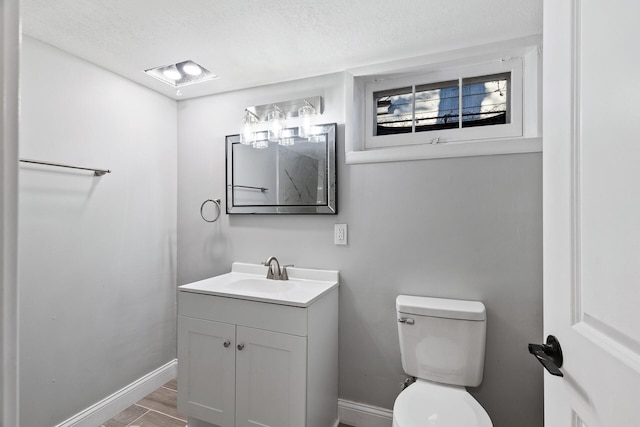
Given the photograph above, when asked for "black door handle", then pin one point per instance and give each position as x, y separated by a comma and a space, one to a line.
549, 354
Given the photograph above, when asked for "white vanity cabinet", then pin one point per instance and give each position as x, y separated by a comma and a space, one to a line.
248, 363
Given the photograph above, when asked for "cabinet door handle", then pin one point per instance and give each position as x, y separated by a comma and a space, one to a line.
240, 346
226, 344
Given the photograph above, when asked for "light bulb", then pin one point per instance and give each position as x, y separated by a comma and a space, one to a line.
305, 113
172, 73
275, 119
192, 69
248, 134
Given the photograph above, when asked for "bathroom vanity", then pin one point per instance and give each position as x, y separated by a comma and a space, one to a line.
259, 352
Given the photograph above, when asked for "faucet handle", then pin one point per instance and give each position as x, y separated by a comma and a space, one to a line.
283, 274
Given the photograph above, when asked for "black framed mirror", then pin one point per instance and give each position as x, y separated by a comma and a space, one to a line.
295, 175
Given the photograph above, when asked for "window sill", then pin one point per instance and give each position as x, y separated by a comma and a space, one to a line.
441, 151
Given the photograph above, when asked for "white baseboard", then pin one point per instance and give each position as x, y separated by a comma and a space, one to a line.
110, 406
361, 415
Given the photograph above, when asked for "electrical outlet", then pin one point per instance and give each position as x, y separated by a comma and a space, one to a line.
340, 234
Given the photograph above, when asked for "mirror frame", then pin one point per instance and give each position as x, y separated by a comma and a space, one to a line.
331, 181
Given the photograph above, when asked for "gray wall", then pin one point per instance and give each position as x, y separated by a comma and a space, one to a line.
459, 228
97, 255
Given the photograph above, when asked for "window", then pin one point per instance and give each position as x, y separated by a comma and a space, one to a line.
475, 101
436, 106
433, 108
485, 100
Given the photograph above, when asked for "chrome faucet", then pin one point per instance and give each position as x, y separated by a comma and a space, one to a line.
276, 273
271, 273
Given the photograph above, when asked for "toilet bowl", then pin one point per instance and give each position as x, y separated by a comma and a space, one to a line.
442, 344
427, 404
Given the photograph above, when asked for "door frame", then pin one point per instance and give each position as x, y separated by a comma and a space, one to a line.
10, 51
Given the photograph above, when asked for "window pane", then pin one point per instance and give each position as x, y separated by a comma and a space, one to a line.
485, 100
394, 111
437, 106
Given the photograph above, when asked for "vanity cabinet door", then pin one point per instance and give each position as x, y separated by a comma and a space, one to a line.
271, 379
206, 370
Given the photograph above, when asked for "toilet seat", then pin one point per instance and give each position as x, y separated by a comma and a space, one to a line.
427, 404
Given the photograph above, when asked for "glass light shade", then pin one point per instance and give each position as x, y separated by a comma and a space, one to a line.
317, 138
261, 144
305, 113
248, 134
275, 118
286, 141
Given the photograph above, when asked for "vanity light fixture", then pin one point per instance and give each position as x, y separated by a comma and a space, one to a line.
286, 141
261, 142
306, 113
275, 117
181, 74
317, 138
248, 134
287, 137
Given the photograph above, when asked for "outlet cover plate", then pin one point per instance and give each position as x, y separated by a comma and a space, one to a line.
340, 234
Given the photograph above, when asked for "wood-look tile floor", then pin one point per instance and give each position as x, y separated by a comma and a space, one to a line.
157, 409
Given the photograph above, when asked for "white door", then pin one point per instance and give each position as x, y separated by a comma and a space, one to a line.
206, 370
592, 210
271, 379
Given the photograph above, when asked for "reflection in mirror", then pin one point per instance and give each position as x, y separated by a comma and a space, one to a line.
293, 176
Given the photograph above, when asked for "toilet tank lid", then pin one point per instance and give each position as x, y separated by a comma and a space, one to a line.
441, 307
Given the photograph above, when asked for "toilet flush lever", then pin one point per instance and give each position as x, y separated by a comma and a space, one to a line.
407, 320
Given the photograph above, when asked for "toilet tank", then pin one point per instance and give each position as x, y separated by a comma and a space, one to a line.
442, 340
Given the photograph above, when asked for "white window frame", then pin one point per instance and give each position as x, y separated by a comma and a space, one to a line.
512, 129
523, 134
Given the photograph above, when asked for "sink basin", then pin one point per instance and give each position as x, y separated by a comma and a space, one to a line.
261, 285
249, 282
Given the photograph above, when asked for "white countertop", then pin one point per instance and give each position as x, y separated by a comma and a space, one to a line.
248, 282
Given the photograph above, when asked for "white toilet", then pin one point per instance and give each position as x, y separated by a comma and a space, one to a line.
442, 344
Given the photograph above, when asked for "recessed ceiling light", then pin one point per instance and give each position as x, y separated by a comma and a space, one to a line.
172, 73
192, 69
181, 74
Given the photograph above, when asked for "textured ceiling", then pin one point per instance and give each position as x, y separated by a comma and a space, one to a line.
250, 43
